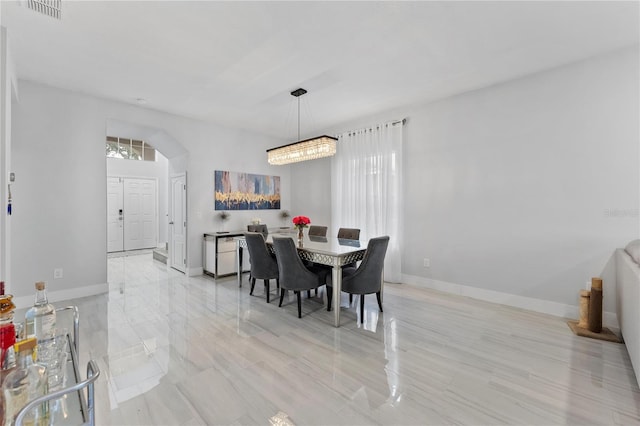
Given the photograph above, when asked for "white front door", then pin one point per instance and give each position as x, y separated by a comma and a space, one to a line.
178, 223
115, 240
131, 214
139, 213
132, 218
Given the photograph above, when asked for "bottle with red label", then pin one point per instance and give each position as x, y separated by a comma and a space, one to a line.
7, 331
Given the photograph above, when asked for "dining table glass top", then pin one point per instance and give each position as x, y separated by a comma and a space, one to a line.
330, 245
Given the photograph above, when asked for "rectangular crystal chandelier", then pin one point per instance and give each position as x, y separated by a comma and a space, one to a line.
309, 149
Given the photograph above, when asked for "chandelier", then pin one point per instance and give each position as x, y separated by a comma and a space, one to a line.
308, 149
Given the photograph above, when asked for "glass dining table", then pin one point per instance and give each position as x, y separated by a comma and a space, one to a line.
330, 251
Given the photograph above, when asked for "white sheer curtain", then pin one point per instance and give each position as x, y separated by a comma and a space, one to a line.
366, 187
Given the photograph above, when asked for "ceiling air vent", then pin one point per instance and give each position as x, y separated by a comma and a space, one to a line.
52, 8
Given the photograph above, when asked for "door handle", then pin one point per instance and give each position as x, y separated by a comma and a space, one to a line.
171, 223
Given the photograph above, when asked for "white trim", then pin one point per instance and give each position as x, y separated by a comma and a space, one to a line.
195, 271
62, 295
609, 319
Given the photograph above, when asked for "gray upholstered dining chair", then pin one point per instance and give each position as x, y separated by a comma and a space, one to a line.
349, 233
317, 231
263, 264
367, 278
294, 275
257, 228
262, 228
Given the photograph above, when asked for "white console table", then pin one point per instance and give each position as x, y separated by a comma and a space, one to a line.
219, 253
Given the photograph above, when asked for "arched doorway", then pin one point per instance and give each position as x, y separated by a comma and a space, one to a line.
170, 162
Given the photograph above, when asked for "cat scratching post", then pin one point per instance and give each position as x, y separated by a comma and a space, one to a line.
590, 323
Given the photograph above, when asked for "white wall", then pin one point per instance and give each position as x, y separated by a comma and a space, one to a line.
524, 188
511, 185
60, 198
7, 92
158, 170
5, 158
311, 192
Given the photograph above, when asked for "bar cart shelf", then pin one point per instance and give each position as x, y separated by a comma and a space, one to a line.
75, 403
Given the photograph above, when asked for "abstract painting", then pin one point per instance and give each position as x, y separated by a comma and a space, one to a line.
246, 191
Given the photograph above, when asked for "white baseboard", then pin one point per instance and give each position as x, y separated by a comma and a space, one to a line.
62, 295
609, 319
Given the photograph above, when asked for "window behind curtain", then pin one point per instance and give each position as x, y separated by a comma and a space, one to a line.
367, 187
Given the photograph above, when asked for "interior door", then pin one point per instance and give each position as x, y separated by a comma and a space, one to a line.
115, 230
178, 223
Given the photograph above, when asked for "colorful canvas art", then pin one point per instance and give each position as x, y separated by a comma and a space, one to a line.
245, 191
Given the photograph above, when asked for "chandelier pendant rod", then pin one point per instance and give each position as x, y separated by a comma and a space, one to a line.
298, 117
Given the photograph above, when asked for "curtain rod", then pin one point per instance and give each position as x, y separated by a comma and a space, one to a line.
370, 129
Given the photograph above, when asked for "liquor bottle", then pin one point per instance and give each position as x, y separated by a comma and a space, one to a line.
40, 322
7, 340
7, 331
27, 382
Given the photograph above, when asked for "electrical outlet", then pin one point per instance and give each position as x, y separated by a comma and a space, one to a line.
426, 262
57, 273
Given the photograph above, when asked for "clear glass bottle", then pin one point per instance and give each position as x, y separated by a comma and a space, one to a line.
27, 382
40, 322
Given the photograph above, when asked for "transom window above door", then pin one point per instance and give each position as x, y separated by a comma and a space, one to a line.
129, 149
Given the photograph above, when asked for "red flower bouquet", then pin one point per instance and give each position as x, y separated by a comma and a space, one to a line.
301, 222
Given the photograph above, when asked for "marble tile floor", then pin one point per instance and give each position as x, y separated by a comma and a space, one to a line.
177, 350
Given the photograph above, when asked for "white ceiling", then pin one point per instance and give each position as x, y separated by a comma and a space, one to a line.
236, 62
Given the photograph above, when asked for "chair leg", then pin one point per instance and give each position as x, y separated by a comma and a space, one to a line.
379, 301
350, 299
329, 297
266, 286
299, 305
282, 290
253, 284
361, 308
278, 283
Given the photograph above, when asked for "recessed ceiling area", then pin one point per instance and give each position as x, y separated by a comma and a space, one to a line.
235, 63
